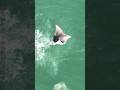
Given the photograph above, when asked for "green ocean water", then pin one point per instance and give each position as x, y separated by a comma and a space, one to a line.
60, 63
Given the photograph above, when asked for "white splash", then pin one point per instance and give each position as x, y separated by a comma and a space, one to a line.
42, 58
41, 44
60, 86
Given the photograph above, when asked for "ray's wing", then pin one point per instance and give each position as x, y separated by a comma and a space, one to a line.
64, 38
58, 31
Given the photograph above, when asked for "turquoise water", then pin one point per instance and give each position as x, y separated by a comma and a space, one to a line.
60, 65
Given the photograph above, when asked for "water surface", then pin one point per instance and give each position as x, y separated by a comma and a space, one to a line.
60, 63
